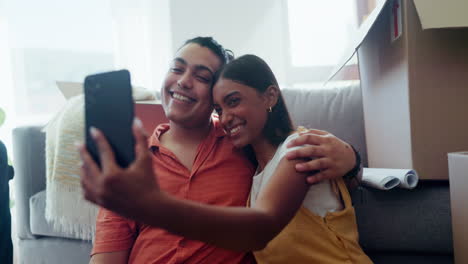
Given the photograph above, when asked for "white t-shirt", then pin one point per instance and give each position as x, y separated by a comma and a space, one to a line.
320, 198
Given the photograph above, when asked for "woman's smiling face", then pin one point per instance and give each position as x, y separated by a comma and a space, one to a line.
242, 111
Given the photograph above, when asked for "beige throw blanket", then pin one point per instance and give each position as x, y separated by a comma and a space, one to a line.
66, 208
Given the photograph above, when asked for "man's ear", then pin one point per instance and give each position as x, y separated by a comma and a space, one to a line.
271, 96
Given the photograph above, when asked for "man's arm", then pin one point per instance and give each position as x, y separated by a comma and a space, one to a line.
119, 257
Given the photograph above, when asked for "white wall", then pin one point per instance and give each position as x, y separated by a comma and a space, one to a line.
244, 26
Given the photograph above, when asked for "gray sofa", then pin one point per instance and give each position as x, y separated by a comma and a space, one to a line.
397, 226
37, 241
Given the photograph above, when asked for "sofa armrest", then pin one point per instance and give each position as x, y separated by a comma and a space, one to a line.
29, 164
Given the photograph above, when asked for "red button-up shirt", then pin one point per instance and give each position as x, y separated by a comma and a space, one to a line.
220, 175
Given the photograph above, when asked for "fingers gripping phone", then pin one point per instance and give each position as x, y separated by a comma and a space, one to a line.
109, 107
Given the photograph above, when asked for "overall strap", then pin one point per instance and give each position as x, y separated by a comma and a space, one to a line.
343, 192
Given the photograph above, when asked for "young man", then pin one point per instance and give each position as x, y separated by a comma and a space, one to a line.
192, 160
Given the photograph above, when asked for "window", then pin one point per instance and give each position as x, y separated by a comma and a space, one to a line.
320, 32
51, 41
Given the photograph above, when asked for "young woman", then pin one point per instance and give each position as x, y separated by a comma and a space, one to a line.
297, 223
286, 220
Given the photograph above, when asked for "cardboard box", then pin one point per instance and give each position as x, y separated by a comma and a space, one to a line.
150, 112
414, 79
458, 171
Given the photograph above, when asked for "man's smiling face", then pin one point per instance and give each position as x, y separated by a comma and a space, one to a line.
186, 92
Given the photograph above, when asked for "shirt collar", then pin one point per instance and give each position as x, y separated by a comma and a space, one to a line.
215, 129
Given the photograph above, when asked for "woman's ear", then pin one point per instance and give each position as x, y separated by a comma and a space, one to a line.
271, 95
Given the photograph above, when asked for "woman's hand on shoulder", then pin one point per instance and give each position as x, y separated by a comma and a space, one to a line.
325, 155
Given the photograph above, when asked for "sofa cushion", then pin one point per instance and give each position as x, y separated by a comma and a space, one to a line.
29, 164
401, 220
336, 108
52, 250
39, 224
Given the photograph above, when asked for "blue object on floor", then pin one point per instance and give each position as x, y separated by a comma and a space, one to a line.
6, 174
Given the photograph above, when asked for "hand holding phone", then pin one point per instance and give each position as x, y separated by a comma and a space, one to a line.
109, 108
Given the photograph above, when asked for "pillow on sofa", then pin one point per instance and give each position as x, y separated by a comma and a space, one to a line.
336, 108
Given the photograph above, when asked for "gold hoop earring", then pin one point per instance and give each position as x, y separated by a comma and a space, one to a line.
269, 110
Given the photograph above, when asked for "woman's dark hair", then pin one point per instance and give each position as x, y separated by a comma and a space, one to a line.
225, 55
252, 71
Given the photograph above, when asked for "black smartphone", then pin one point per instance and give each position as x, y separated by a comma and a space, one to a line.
109, 107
